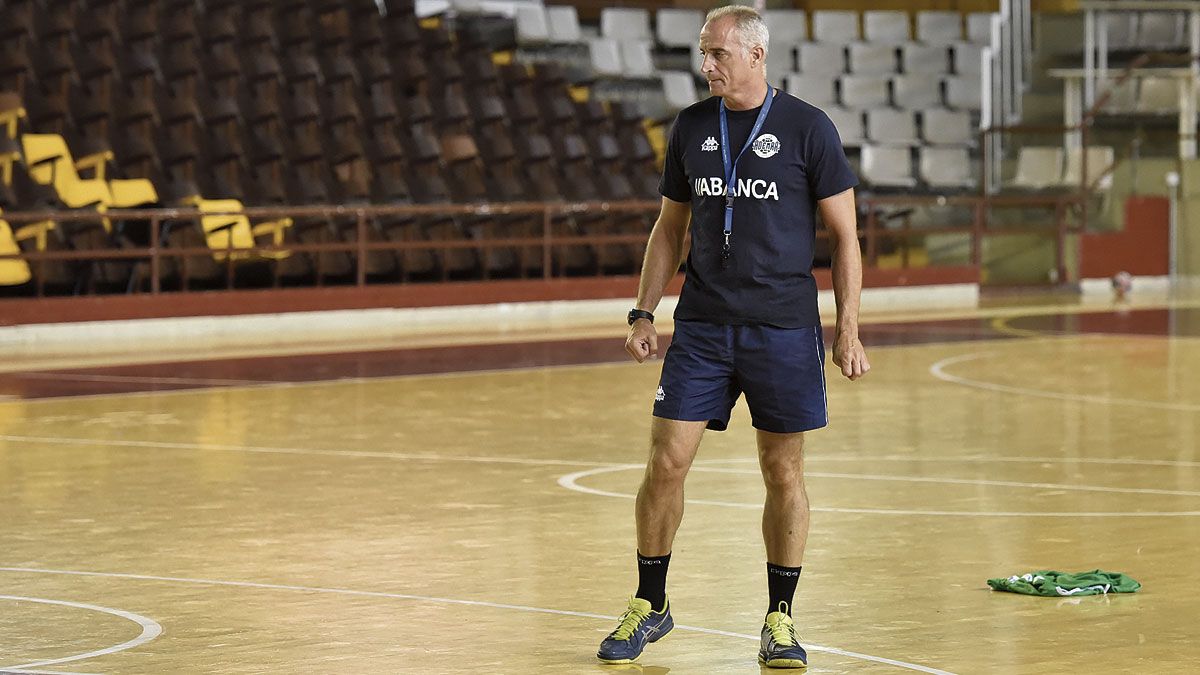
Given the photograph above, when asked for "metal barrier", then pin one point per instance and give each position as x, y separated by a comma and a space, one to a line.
876, 210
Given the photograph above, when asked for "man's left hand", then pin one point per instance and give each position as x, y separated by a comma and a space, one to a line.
850, 356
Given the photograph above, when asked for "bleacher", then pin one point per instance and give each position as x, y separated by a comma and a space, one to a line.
219, 106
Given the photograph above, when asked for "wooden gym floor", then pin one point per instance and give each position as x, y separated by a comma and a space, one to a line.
456, 507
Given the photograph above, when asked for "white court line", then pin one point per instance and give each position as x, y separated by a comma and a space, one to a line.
453, 601
24, 671
150, 630
340, 381
571, 482
84, 377
965, 481
938, 370
114, 442
982, 459
63, 440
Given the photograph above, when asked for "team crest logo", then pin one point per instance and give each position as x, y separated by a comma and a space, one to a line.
710, 145
766, 146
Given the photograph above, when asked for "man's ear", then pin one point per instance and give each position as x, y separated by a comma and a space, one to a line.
758, 53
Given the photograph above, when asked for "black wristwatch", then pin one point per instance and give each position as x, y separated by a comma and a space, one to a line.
635, 314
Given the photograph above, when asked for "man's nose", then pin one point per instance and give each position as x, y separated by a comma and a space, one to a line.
706, 65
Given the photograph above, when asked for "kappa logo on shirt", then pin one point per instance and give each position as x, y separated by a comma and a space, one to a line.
710, 145
660, 395
766, 146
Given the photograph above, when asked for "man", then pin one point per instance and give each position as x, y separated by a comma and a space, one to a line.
747, 317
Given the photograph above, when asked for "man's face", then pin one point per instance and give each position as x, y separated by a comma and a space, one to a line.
727, 66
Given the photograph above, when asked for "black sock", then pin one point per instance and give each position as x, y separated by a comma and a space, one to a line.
652, 580
781, 586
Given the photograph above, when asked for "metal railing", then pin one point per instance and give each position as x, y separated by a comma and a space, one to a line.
152, 258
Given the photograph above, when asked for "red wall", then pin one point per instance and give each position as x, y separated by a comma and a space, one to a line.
1140, 249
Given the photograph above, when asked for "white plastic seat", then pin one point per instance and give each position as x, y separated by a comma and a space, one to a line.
636, 59
679, 28
888, 126
887, 166
780, 62
786, 26
1158, 96
946, 167
564, 24
924, 59
814, 89
849, 124
679, 88
964, 93
605, 57
1161, 30
625, 23
939, 28
967, 58
872, 59
915, 92
1100, 161
835, 27
1122, 29
864, 91
1038, 167
532, 26
885, 27
818, 58
979, 27
940, 126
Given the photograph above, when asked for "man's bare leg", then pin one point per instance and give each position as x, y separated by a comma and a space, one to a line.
785, 515
659, 509
785, 532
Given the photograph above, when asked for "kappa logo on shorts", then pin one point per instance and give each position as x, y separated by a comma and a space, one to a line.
709, 145
766, 146
660, 395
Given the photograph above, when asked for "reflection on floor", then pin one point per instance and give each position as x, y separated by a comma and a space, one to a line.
468, 508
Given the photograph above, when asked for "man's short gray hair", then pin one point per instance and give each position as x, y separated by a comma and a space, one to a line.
748, 22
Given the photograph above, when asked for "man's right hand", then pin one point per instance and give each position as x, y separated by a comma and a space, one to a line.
643, 340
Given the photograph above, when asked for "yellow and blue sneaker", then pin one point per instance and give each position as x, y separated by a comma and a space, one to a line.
637, 627
780, 648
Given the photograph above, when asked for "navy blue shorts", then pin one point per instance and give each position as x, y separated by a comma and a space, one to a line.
781, 371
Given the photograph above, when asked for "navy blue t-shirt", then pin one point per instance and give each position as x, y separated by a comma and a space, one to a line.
796, 160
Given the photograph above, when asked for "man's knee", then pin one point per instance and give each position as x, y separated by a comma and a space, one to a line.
672, 448
782, 463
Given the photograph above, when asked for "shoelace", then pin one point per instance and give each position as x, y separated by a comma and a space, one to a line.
783, 631
630, 620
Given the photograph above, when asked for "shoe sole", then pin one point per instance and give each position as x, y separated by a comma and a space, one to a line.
656, 638
783, 663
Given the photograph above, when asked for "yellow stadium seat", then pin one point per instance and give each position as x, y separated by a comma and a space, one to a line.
228, 230
13, 271
50, 163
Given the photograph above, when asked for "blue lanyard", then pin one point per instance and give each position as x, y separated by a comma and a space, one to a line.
731, 167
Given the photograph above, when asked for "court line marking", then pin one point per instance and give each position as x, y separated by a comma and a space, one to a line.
63, 440
938, 370
24, 671
293, 451
86, 377
571, 482
150, 630
604, 467
452, 601
966, 481
983, 459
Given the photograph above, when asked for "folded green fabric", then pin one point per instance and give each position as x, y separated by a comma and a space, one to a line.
1056, 584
